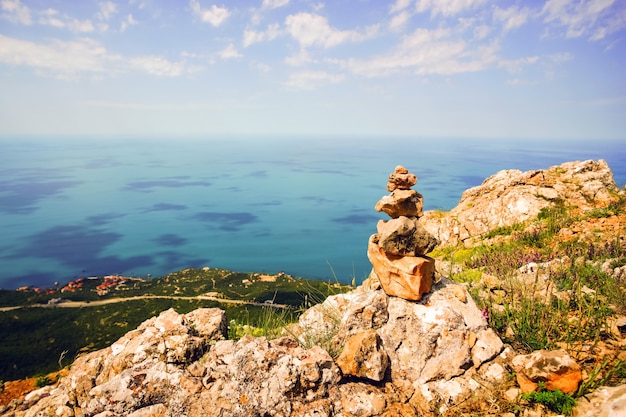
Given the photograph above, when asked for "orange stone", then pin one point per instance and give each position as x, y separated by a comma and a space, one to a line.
407, 277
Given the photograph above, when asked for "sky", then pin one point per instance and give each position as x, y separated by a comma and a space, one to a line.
419, 68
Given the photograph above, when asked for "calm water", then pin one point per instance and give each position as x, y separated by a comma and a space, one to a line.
71, 208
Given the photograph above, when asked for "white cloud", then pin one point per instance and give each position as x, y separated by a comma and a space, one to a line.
251, 36
229, 52
274, 4
301, 58
427, 52
61, 59
15, 11
309, 80
446, 8
399, 21
516, 65
51, 17
313, 30
481, 32
593, 18
214, 15
399, 5
129, 21
107, 9
511, 18
159, 66
73, 59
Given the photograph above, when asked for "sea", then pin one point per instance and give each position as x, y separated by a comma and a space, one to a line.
147, 207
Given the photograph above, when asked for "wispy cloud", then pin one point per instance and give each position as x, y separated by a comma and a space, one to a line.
309, 80
52, 17
594, 19
73, 59
516, 65
251, 36
274, 4
129, 21
399, 6
107, 9
426, 52
512, 17
314, 30
230, 52
446, 8
60, 59
16, 12
214, 15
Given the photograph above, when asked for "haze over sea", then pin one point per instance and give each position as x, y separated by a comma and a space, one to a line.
72, 208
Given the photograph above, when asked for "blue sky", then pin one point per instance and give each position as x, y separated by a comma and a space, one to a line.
420, 68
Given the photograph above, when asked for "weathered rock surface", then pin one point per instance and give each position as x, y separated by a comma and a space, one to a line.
408, 203
513, 196
433, 345
179, 364
404, 236
401, 179
556, 369
408, 277
363, 357
603, 402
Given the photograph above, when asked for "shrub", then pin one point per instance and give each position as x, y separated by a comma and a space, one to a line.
556, 400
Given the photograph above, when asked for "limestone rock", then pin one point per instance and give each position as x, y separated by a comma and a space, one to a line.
401, 179
513, 196
401, 202
556, 369
255, 376
404, 236
603, 402
408, 277
363, 357
439, 338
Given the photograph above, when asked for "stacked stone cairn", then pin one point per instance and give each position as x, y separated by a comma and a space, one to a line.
398, 251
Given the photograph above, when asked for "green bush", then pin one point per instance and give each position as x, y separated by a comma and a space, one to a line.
556, 400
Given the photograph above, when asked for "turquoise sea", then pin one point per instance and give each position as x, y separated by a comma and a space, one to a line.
305, 206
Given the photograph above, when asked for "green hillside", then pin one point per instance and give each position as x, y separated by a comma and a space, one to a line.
43, 330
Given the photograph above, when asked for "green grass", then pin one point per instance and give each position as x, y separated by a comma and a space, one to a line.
556, 400
524, 314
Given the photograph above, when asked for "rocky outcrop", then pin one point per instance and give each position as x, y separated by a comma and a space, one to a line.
513, 196
398, 251
434, 347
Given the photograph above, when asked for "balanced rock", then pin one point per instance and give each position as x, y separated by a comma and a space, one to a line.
401, 203
401, 179
407, 277
404, 236
556, 369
